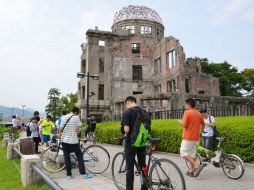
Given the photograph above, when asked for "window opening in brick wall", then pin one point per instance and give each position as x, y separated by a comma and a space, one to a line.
137, 72
101, 65
157, 66
101, 92
171, 59
136, 48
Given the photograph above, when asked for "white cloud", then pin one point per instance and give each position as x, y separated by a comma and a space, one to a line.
233, 10
248, 15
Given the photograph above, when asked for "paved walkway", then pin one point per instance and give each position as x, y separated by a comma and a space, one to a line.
211, 178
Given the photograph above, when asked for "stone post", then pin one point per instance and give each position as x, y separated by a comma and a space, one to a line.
6, 139
28, 176
10, 152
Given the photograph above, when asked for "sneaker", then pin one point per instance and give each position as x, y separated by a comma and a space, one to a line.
69, 177
198, 170
190, 174
87, 175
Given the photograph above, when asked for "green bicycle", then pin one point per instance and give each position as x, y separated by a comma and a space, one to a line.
232, 166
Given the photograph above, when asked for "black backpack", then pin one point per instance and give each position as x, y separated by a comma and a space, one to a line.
141, 128
28, 131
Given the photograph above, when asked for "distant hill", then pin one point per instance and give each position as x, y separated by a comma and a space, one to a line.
9, 111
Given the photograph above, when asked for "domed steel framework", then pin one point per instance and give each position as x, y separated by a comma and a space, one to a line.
137, 12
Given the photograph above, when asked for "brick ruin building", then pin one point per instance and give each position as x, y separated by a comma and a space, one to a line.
136, 59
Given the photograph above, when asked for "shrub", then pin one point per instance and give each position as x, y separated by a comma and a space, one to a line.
238, 130
4, 129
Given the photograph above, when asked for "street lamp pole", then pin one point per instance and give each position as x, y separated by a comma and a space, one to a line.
87, 95
94, 77
23, 105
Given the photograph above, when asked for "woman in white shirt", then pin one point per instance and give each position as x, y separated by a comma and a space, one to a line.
208, 132
14, 126
34, 128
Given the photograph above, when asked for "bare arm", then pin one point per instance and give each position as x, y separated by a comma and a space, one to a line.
211, 124
182, 123
77, 129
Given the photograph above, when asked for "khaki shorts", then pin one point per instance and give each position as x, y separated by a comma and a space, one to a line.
188, 148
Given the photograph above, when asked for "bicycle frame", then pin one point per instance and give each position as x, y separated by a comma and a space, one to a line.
151, 161
217, 155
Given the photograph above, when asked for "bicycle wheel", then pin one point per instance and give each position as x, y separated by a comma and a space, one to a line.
118, 170
51, 160
198, 161
96, 159
233, 166
165, 174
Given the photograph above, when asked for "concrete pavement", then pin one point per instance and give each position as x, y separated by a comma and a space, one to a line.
211, 178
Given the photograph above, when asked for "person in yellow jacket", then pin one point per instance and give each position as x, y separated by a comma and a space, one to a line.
47, 127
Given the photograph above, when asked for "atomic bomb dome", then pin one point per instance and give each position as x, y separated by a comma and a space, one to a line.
135, 58
139, 20
137, 12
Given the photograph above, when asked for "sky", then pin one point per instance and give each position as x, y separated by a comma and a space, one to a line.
40, 39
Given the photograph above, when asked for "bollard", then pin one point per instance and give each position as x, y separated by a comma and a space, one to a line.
5, 142
10, 152
28, 176
6, 139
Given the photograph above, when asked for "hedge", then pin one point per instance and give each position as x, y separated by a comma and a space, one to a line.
238, 130
4, 129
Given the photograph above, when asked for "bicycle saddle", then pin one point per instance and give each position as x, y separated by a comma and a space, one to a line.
221, 139
154, 140
83, 140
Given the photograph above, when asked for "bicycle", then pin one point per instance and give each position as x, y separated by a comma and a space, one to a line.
160, 173
96, 158
220, 158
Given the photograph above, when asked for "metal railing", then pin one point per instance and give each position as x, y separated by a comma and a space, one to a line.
218, 111
40, 173
17, 152
44, 177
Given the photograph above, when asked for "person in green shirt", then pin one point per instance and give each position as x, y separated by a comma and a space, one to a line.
47, 127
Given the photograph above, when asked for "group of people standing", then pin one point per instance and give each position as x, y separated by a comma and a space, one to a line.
194, 123
40, 130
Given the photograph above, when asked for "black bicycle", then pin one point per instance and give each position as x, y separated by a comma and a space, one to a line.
96, 158
160, 174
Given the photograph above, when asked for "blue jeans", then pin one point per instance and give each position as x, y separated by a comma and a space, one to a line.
207, 142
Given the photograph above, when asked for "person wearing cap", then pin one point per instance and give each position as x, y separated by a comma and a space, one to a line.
208, 132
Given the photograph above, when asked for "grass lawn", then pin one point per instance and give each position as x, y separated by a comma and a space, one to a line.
10, 174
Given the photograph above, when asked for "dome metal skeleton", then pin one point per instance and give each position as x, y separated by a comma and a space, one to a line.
137, 12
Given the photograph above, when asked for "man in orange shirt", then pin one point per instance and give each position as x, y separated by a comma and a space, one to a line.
192, 122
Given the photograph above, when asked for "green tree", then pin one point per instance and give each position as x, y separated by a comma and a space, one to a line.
248, 82
67, 103
54, 99
230, 79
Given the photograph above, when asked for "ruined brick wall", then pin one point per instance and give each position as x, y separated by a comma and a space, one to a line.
200, 83
122, 62
162, 48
